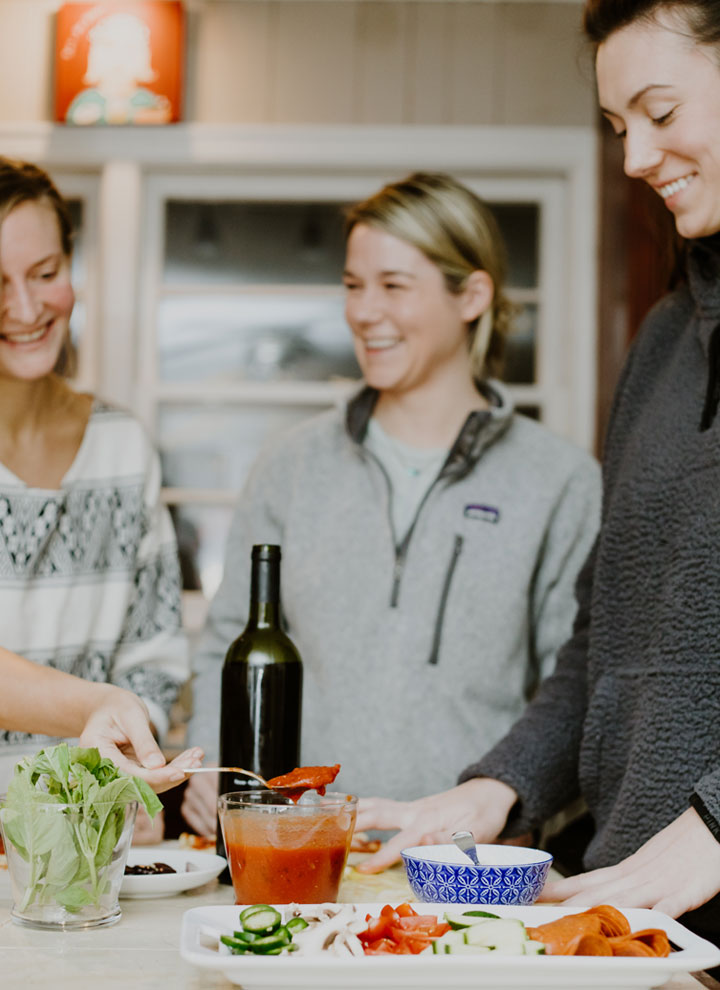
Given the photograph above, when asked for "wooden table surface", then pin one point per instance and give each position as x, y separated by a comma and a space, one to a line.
141, 951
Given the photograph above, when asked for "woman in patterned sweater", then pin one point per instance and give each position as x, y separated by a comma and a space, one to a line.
89, 576
41, 699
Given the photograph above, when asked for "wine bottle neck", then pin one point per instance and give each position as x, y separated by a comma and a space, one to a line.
264, 593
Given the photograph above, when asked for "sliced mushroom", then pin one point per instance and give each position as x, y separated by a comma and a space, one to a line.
345, 943
320, 936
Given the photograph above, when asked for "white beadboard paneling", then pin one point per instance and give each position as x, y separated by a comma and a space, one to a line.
312, 61
474, 66
232, 57
427, 85
26, 59
540, 76
381, 41
344, 61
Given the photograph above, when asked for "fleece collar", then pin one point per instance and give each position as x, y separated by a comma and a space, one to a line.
480, 430
704, 278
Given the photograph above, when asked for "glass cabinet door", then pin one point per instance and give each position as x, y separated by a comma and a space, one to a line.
249, 337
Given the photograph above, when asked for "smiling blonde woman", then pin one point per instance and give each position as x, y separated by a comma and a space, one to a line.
431, 536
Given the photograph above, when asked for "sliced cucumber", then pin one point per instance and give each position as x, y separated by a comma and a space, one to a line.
296, 925
448, 941
277, 940
506, 935
534, 948
464, 948
467, 918
245, 936
236, 945
260, 919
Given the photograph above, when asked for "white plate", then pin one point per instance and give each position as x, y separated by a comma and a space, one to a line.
193, 870
450, 972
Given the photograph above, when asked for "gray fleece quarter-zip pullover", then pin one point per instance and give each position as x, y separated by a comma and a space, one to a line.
419, 653
631, 717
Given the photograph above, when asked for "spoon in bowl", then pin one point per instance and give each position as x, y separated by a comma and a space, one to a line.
465, 841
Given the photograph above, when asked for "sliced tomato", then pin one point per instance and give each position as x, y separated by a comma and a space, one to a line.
413, 940
381, 947
421, 922
406, 911
401, 927
377, 928
403, 948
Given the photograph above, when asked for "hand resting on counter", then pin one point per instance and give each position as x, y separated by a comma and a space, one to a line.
678, 869
480, 805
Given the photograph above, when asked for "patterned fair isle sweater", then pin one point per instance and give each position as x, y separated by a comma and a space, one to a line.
89, 576
631, 717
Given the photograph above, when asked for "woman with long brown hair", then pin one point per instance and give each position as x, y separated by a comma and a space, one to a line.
630, 718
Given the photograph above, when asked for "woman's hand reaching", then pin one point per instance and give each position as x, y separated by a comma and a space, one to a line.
678, 869
119, 726
480, 805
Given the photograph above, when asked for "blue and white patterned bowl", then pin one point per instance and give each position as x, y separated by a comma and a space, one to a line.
507, 875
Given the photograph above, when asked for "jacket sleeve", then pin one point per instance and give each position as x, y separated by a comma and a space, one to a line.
538, 758
256, 520
569, 537
152, 654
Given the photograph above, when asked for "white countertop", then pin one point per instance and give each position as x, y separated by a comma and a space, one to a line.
140, 952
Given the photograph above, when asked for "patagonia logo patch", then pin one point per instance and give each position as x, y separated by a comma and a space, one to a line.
484, 513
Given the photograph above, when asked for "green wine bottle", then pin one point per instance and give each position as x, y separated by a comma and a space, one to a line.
261, 694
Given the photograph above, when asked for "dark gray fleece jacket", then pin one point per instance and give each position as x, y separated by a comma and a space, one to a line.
631, 717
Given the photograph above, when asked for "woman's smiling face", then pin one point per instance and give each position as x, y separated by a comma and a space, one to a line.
660, 91
36, 297
407, 327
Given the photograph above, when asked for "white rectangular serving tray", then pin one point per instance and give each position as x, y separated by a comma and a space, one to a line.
450, 972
